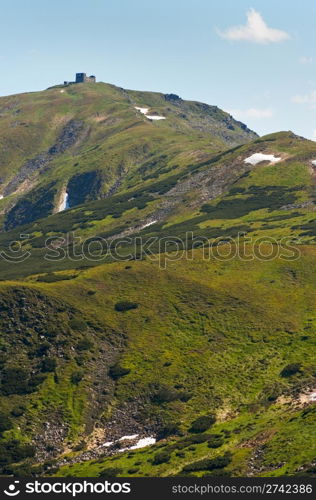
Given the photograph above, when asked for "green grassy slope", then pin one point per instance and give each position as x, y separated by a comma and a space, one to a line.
90, 140
105, 346
206, 337
217, 198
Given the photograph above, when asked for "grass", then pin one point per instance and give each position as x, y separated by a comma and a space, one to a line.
200, 328
116, 144
168, 338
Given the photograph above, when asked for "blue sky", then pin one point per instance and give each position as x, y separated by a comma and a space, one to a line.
264, 72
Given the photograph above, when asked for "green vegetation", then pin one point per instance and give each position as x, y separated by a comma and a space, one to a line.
208, 464
202, 343
208, 346
125, 306
203, 423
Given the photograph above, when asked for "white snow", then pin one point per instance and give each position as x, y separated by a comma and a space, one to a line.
312, 396
155, 117
142, 110
314, 163
149, 224
143, 442
64, 204
150, 117
124, 438
258, 157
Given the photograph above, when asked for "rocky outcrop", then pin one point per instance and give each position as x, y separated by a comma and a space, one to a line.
70, 135
40, 202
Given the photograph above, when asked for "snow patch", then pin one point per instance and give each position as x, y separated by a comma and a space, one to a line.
155, 117
312, 396
149, 224
108, 443
258, 157
314, 163
125, 438
141, 443
64, 203
142, 110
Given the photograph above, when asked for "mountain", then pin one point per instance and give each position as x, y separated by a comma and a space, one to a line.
93, 140
196, 329
225, 194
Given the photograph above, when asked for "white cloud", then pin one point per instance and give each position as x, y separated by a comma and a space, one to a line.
305, 99
243, 114
255, 30
305, 60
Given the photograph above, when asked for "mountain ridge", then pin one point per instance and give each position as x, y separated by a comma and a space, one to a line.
97, 124
204, 353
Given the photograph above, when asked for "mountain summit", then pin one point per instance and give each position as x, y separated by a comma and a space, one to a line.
94, 140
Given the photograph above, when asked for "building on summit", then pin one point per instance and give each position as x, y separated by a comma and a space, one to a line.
82, 78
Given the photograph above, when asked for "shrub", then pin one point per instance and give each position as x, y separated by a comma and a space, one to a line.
110, 472
76, 377
125, 306
34, 381
180, 454
203, 423
21, 451
290, 370
15, 381
184, 396
188, 441
51, 331
169, 429
26, 470
133, 470
117, 371
15, 451
49, 364
164, 394
215, 441
52, 277
84, 344
5, 422
42, 349
17, 411
161, 457
199, 438
209, 464
78, 324
80, 360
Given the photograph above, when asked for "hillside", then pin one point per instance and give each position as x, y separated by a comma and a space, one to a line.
215, 199
232, 338
196, 332
93, 140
